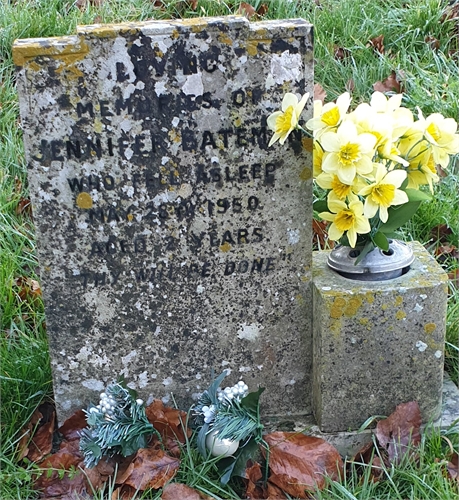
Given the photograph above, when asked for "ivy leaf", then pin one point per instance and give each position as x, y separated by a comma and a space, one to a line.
238, 464
381, 241
398, 216
251, 401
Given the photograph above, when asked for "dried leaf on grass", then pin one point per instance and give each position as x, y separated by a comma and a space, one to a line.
28, 430
340, 53
42, 441
24, 206
377, 43
398, 433
28, 288
319, 93
299, 463
247, 10
453, 467
320, 234
82, 4
390, 84
150, 468
176, 491
169, 422
433, 42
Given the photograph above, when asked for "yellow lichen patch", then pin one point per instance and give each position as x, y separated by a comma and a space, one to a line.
34, 66
364, 321
130, 217
430, 328
224, 38
305, 174
174, 136
237, 122
307, 143
103, 30
84, 200
384, 307
337, 308
175, 34
335, 328
226, 247
398, 300
369, 297
352, 306
56, 48
252, 47
98, 126
400, 314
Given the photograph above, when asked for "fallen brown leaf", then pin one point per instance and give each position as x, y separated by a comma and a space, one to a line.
28, 430
28, 288
453, 467
178, 491
24, 206
390, 84
320, 235
169, 422
319, 93
299, 463
50, 481
262, 10
433, 42
193, 4
341, 53
400, 432
378, 43
247, 10
150, 468
71, 428
124, 493
42, 441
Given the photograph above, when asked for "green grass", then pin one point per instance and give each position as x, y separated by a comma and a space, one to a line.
430, 79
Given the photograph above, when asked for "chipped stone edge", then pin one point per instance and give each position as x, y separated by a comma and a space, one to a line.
26, 49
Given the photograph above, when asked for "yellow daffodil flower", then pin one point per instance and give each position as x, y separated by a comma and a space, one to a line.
329, 116
347, 219
421, 169
283, 122
440, 132
350, 153
339, 189
383, 193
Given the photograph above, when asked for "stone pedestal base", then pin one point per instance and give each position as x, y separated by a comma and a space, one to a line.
377, 344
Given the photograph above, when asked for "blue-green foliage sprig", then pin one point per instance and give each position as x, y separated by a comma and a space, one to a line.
117, 425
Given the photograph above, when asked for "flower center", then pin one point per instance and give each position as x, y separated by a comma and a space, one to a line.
284, 121
383, 194
349, 154
344, 220
331, 117
341, 190
434, 131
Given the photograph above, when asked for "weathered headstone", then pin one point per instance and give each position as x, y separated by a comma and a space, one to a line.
171, 239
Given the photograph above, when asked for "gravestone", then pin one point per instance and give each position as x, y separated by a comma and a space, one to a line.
171, 240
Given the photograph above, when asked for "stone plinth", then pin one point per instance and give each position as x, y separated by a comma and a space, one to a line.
377, 344
172, 240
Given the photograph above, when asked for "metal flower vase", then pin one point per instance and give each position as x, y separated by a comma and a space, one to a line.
377, 265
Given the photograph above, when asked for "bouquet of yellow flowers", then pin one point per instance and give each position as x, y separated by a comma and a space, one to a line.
370, 162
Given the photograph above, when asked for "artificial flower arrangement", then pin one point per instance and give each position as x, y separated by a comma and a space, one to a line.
370, 162
227, 422
229, 426
118, 425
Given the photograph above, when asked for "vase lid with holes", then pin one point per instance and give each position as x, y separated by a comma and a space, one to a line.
377, 265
